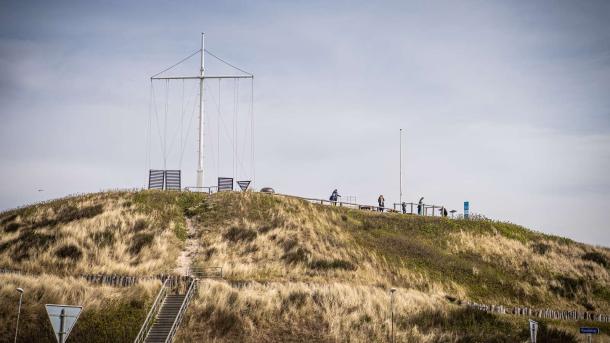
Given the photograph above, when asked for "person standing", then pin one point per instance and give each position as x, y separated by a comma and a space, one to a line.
334, 196
420, 206
404, 207
381, 202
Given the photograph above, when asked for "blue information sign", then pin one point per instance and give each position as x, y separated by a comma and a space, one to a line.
589, 330
466, 209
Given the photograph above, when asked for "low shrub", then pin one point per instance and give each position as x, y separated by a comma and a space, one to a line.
295, 299
332, 264
296, 256
104, 238
28, 241
70, 251
11, 227
71, 213
140, 224
8, 218
597, 258
237, 234
541, 248
140, 241
568, 287
289, 244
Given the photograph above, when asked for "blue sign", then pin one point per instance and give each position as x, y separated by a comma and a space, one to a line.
466, 209
589, 330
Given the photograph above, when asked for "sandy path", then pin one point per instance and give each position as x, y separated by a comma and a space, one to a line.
183, 264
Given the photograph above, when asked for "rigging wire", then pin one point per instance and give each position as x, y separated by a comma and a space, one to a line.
165, 124
227, 63
154, 99
190, 125
175, 65
252, 132
148, 129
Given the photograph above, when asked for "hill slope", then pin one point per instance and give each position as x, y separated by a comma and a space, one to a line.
295, 271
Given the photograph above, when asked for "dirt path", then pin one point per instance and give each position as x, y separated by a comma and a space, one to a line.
191, 247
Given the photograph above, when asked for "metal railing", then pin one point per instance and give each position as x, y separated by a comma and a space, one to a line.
412, 208
152, 314
206, 272
209, 190
427, 209
187, 299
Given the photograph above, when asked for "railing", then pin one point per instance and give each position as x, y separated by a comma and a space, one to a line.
206, 272
150, 318
208, 190
425, 207
187, 299
412, 208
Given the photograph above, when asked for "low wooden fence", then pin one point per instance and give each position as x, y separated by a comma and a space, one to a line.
541, 313
116, 280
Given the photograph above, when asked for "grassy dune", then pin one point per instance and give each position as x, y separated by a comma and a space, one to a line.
295, 271
303, 272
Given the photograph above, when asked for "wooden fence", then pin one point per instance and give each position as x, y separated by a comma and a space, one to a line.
541, 313
116, 280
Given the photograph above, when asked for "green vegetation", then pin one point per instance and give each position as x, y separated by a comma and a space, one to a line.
294, 271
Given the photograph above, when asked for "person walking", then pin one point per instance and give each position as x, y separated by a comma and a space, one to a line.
420, 206
334, 196
404, 207
381, 202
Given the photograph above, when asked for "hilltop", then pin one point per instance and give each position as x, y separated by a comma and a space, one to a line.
293, 270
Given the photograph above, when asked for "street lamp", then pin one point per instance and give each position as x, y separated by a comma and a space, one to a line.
20, 290
392, 290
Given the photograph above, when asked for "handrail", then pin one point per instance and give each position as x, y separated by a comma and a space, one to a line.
202, 272
208, 190
185, 303
150, 318
363, 207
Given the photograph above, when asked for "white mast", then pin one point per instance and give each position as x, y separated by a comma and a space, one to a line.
400, 197
201, 77
201, 106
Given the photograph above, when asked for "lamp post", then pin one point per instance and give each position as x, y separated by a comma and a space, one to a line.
392, 290
20, 290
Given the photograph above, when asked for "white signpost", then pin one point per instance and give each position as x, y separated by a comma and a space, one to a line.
533, 330
63, 318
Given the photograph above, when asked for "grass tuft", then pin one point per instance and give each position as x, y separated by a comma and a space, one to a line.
140, 241
70, 251
596, 257
237, 234
331, 264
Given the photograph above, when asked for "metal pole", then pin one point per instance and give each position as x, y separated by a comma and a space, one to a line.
392, 312
201, 106
62, 319
400, 168
18, 313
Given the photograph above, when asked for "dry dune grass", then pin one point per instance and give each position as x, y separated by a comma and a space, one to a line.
270, 238
98, 233
294, 241
545, 260
302, 312
296, 272
127, 305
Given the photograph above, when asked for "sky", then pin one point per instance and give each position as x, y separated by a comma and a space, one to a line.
503, 104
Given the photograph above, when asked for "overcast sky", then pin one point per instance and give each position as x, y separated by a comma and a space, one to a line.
504, 104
